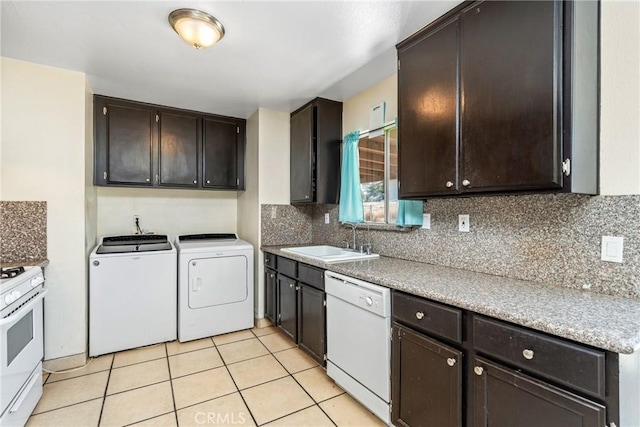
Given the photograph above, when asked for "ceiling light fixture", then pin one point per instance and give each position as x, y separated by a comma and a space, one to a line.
197, 28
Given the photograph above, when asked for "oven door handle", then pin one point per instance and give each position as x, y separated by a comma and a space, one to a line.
18, 314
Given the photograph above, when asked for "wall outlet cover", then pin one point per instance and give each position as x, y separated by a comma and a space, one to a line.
612, 249
463, 223
426, 221
273, 212
327, 218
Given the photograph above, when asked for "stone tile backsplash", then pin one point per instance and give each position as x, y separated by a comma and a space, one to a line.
23, 231
286, 224
548, 238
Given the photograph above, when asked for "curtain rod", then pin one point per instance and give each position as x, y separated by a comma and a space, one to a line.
384, 127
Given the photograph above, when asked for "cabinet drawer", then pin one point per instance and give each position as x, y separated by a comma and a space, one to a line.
427, 316
311, 276
577, 366
270, 260
287, 267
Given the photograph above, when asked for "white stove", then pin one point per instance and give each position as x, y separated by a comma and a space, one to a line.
21, 341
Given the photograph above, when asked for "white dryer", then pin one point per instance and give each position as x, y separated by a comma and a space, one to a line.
215, 285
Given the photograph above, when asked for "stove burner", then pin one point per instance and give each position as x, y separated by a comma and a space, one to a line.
10, 273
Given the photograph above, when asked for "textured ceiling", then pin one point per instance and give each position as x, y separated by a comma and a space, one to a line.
274, 55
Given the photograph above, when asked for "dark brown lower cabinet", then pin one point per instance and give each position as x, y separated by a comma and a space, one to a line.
288, 307
312, 321
271, 294
426, 381
506, 398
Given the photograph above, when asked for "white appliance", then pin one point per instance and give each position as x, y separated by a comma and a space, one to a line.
132, 293
21, 343
215, 285
359, 340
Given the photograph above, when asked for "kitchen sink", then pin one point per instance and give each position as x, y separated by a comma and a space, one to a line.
329, 254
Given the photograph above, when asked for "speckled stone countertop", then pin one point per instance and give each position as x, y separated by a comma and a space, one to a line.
607, 322
36, 263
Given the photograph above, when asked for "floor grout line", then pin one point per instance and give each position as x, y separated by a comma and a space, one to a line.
106, 387
173, 393
240, 393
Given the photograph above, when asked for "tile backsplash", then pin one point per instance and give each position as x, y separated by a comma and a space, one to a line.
286, 224
553, 239
23, 231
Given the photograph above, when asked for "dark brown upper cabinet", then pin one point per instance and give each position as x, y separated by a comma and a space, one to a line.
316, 134
223, 152
178, 145
145, 145
500, 97
125, 143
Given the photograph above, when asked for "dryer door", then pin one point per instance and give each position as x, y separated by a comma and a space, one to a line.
217, 281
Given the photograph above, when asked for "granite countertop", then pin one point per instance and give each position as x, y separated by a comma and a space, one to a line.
603, 321
36, 263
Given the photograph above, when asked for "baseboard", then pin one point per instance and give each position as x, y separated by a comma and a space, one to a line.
262, 323
67, 362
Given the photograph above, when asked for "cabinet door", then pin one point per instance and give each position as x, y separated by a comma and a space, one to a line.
287, 307
507, 398
302, 155
270, 284
130, 132
311, 322
178, 139
427, 116
511, 115
426, 381
220, 153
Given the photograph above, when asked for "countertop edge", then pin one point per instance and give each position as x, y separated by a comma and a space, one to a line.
624, 343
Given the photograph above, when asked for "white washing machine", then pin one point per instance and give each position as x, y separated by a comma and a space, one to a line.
215, 285
132, 293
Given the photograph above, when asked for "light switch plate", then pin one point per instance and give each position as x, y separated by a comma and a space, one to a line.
612, 248
327, 218
426, 221
463, 223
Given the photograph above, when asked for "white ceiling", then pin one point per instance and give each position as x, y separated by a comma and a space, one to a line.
275, 54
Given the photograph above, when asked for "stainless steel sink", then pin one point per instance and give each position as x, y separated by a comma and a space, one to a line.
329, 254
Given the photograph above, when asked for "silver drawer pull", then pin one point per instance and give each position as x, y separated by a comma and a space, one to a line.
291, 285
478, 370
527, 354
451, 361
449, 184
419, 315
466, 182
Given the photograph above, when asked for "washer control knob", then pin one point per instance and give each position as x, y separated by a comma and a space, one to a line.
369, 301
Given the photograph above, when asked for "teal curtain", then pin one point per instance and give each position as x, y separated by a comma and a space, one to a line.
409, 213
351, 208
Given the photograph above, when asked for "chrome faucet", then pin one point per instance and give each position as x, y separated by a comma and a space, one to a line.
365, 247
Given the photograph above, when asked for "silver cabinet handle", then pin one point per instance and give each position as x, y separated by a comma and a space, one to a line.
478, 370
297, 288
466, 182
449, 184
291, 285
208, 182
451, 361
195, 182
306, 197
272, 276
419, 315
527, 354
148, 180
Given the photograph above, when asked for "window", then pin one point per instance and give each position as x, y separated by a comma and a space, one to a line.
379, 176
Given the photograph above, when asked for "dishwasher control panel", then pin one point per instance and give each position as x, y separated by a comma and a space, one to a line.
373, 298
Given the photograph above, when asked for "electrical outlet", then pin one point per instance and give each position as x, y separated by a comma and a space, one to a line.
426, 221
612, 249
273, 212
327, 218
463, 223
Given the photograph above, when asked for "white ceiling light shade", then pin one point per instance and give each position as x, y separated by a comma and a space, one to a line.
197, 28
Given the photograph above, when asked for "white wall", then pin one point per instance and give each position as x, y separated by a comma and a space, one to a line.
165, 211
355, 110
274, 157
249, 208
620, 97
44, 136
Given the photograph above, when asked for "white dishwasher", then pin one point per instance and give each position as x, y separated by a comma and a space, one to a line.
359, 340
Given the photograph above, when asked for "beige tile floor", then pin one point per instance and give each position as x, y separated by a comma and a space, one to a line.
252, 377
